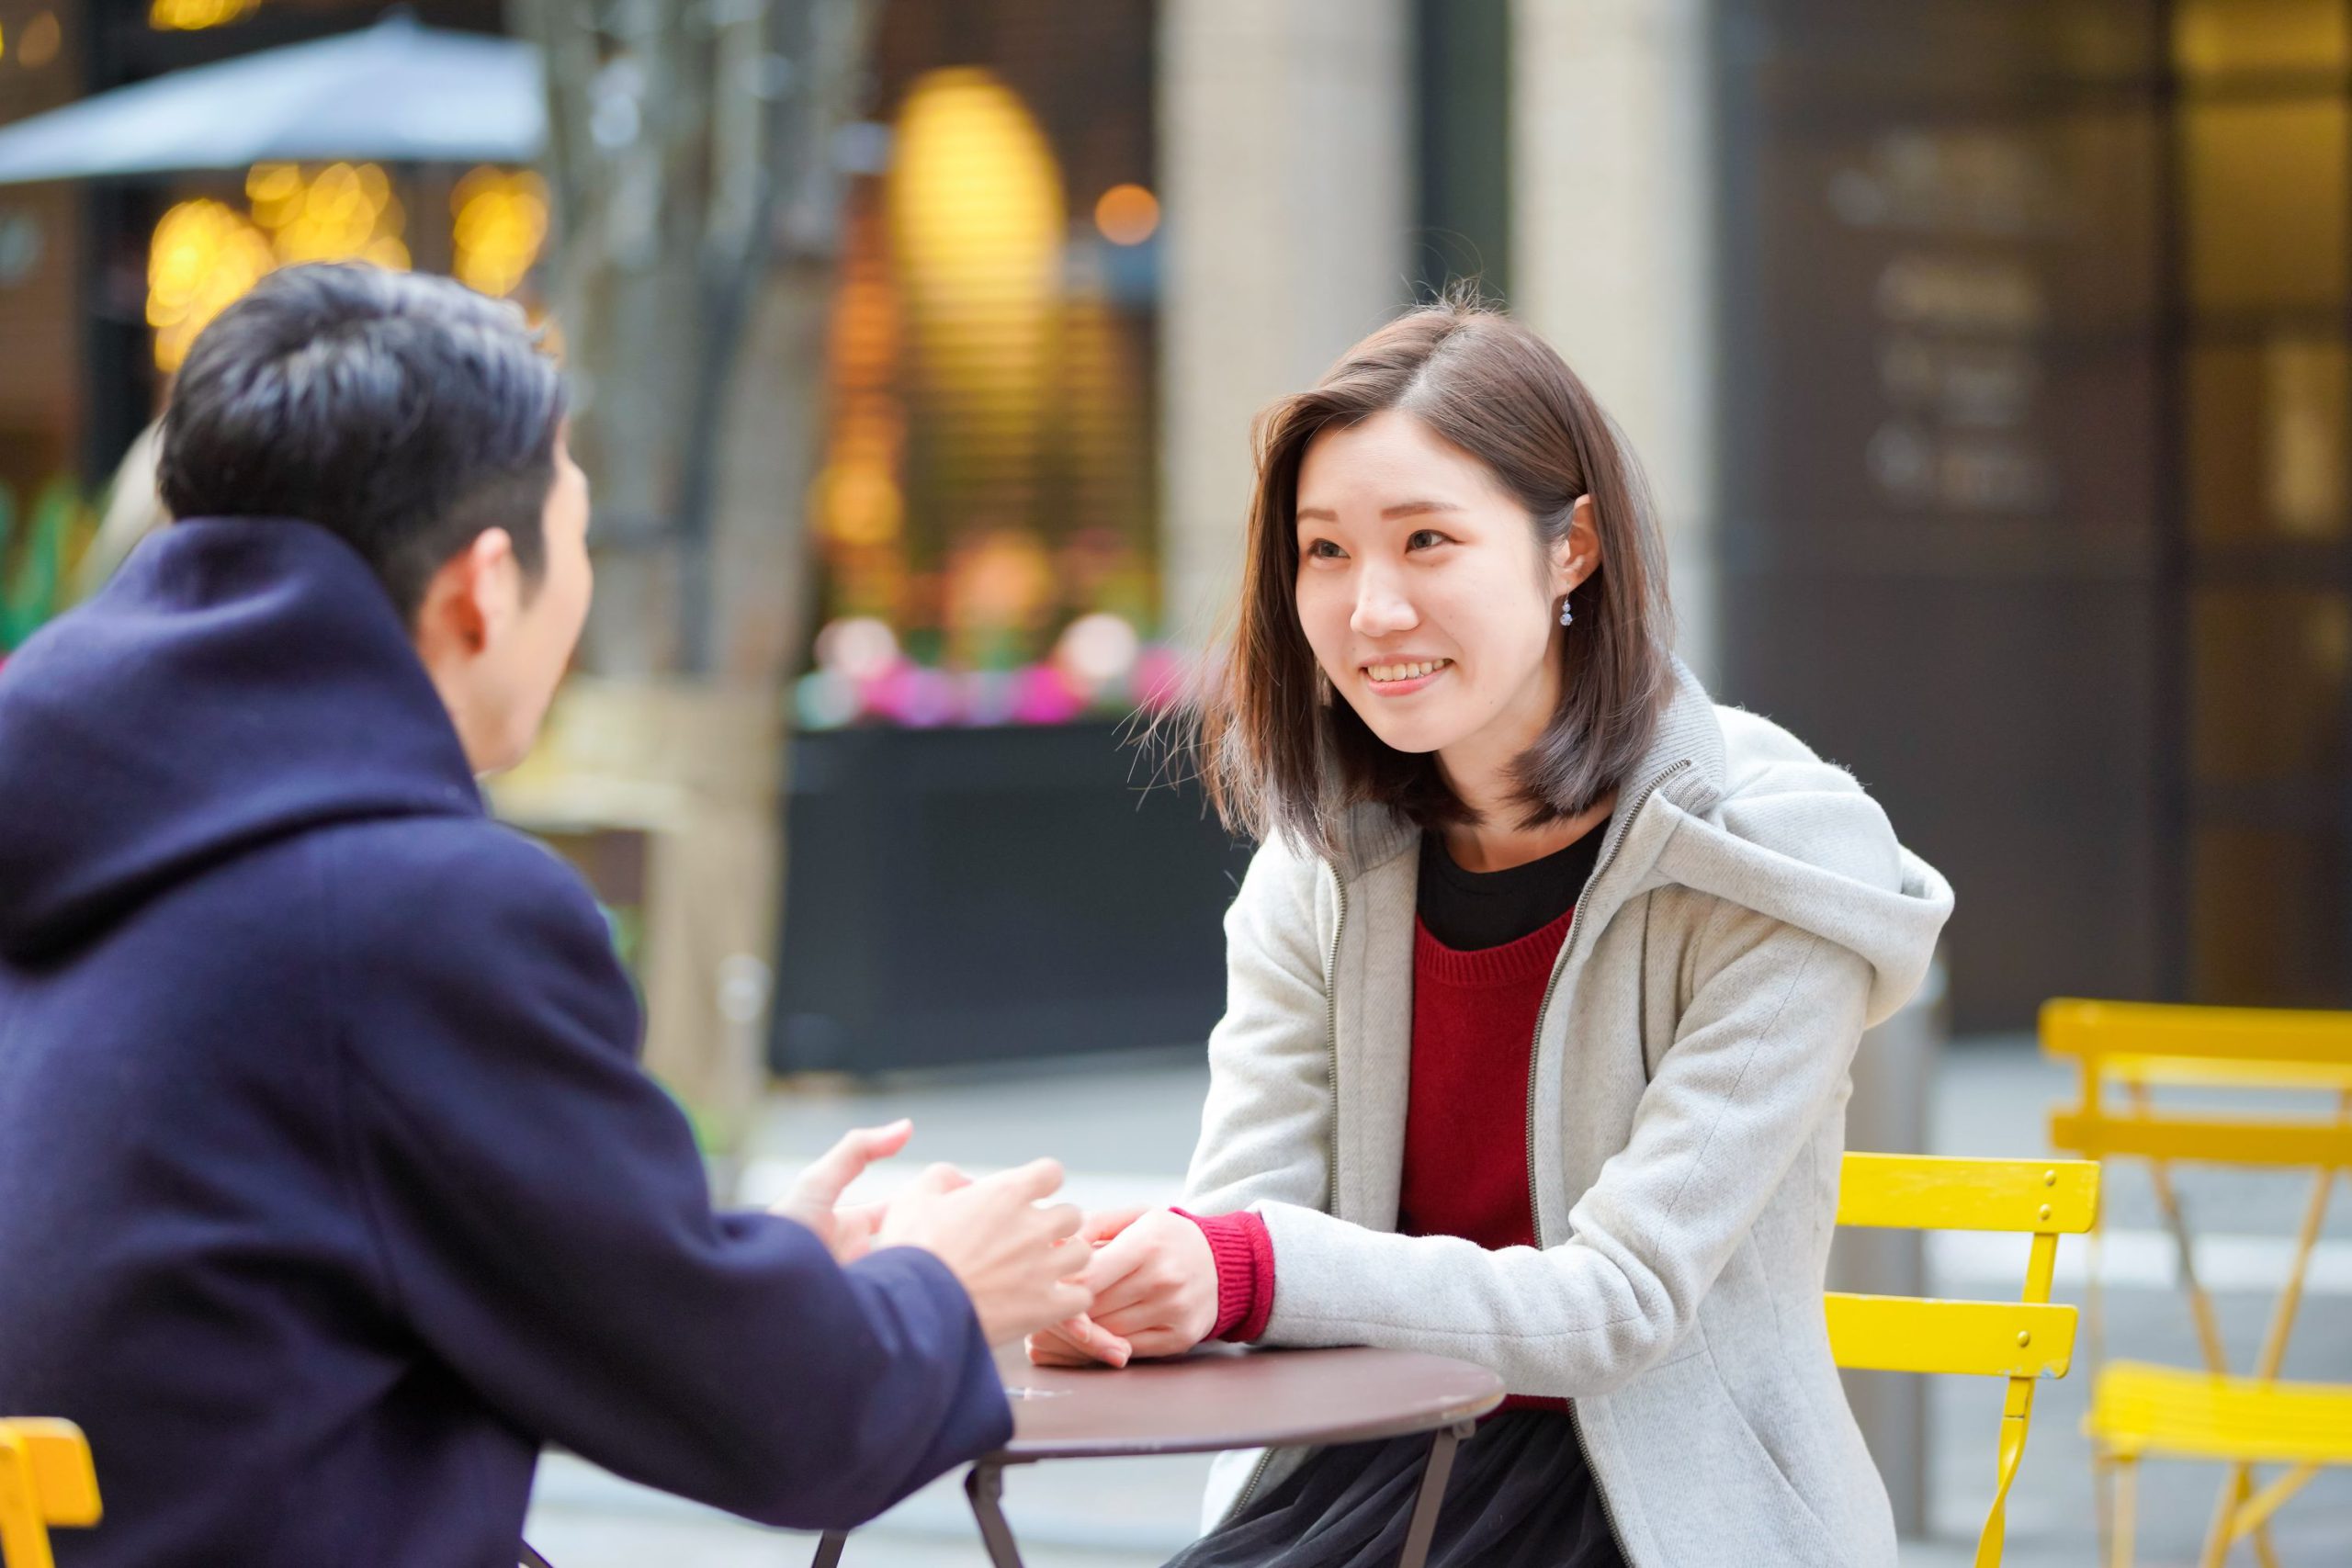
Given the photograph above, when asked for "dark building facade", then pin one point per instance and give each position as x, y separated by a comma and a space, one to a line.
2034, 452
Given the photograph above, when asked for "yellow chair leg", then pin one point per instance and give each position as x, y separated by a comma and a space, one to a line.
2257, 1510
2237, 1488
2218, 1535
2127, 1509
2017, 1410
2200, 1305
2103, 1502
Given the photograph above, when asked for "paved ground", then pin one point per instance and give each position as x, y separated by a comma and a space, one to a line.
1124, 1128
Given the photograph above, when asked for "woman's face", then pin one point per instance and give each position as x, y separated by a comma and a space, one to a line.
1425, 594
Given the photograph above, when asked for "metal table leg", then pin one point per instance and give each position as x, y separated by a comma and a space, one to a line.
828, 1550
1433, 1493
985, 1487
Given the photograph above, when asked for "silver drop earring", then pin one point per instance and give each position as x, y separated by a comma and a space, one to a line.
1567, 612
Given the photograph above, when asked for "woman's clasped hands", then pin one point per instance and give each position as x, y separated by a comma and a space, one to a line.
1154, 1283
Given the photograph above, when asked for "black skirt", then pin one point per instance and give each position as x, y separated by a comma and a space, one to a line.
1520, 1497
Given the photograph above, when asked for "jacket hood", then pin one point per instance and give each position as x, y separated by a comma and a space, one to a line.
240, 679
1747, 812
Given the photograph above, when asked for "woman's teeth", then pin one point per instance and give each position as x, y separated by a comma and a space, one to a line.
1405, 672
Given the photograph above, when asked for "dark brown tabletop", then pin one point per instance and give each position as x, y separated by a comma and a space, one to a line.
1225, 1396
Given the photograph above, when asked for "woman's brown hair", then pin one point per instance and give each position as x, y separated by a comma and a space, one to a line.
1278, 750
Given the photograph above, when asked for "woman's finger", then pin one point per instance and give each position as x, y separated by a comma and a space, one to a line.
1127, 1322
1106, 1225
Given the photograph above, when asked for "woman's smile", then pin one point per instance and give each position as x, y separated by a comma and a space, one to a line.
1395, 678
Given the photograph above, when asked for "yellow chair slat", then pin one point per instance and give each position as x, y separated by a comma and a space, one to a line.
1937, 1192
2072, 1027
2016, 1340
2229, 1140
1907, 1334
2196, 1072
2140, 1409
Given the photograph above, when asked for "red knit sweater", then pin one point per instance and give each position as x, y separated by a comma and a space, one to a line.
1465, 1122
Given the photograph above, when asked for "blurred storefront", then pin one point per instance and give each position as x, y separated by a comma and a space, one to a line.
1988, 361
976, 867
2033, 466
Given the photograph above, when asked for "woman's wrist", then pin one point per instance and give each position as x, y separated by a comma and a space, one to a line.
1244, 1256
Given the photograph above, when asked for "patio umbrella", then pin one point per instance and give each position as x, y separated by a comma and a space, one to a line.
395, 92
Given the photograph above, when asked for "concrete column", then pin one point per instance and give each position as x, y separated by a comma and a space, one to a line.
1612, 197
1286, 178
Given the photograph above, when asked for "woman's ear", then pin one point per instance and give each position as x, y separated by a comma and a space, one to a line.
1578, 554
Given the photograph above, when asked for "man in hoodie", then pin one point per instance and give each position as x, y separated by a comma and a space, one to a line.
330, 1188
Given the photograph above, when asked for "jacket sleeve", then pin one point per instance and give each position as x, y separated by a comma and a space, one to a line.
1759, 1059
544, 1227
1266, 1127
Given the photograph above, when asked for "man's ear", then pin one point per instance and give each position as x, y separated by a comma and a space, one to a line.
1578, 554
473, 594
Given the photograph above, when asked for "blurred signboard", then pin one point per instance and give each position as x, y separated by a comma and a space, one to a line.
1944, 449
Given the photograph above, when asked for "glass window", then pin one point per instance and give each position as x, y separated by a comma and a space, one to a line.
2222, 38
2267, 670
2266, 185
986, 512
2269, 917
2267, 428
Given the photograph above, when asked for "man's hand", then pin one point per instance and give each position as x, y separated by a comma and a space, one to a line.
1154, 1281
815, 1199
1076, 1342
1009, 1254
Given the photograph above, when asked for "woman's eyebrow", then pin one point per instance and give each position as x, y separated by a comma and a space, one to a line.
1402, 508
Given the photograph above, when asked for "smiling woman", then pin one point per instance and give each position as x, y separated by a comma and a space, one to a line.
1543, 988
1450, 496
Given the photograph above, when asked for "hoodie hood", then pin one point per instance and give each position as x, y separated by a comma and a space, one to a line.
1791, 835
240, 679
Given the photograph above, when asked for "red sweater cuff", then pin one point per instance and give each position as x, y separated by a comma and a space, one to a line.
1245, 1272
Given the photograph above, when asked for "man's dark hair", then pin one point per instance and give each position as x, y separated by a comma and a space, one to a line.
405, 413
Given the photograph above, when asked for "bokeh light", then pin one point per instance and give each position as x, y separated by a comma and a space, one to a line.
499, 225
41, 39
194, 16
1126, 215
205, 253
1097, 649
857, 648
344, 212
204, 256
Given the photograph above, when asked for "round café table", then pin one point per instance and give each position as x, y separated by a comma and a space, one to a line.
1227, 1396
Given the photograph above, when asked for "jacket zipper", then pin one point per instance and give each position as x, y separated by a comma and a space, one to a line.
1331, 1150
1535, 1060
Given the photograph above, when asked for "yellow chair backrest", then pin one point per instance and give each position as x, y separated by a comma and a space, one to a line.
2019, 1340
2136, 1044
46, 1477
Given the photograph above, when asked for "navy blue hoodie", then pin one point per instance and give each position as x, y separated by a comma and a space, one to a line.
330, 1187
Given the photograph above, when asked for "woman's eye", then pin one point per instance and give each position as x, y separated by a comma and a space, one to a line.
1324, 550
1424, 538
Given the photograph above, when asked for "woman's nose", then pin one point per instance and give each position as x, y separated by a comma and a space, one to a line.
1380, 613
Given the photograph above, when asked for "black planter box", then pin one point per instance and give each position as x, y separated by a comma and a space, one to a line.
961, 895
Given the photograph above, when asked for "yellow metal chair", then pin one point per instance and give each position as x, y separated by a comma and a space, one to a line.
2138, 1410
2019, 1340
45, 1479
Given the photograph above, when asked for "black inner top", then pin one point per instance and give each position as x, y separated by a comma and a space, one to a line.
1470, 910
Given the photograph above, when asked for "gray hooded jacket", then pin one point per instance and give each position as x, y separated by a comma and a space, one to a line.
1750, 915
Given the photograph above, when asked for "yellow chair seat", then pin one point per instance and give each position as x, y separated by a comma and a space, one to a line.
2138, 1409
